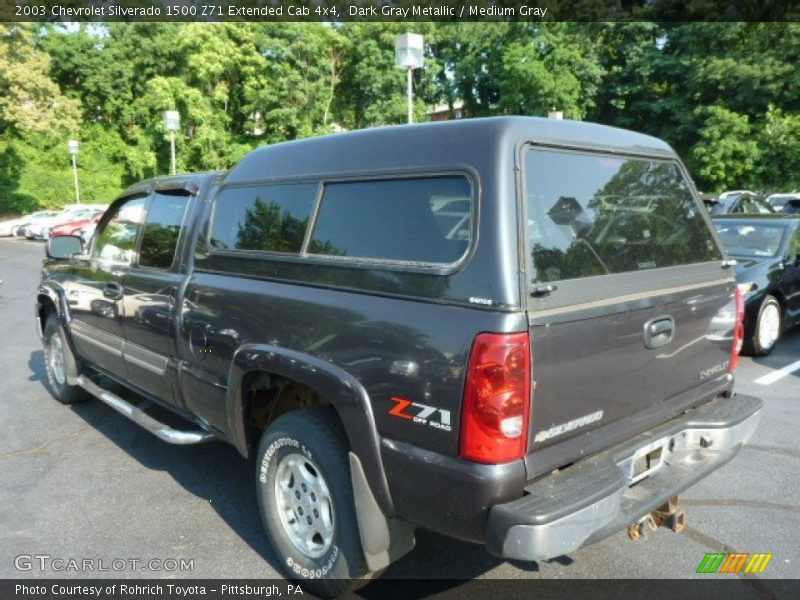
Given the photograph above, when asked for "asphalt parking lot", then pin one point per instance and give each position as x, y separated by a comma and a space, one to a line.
83, 481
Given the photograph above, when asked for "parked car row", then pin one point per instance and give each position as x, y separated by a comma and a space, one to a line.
72, 220
747, 202
14, 227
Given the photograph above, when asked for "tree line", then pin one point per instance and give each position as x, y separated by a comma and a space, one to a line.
725, 95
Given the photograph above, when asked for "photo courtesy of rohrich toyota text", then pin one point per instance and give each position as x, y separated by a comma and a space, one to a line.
383, 299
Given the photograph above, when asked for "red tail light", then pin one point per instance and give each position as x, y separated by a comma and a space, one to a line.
738, 330
494, 421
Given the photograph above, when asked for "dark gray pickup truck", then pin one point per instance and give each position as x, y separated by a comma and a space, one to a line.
518, 332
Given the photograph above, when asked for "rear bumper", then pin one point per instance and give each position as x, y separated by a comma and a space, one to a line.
595, 498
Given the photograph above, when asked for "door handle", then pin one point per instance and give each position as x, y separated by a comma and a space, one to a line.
659, 332
198, 341
113, 291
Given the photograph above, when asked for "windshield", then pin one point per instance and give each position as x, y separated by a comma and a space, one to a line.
750, 240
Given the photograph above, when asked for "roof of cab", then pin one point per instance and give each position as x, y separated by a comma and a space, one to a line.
469, 142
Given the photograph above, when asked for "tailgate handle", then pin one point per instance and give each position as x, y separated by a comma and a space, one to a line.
659, 332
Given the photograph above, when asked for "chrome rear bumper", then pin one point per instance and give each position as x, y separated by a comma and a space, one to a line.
601, 495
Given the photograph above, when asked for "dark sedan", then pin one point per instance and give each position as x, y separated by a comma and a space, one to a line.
767, 248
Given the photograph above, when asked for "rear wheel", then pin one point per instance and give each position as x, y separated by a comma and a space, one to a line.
768, 327
306, 501
58, 360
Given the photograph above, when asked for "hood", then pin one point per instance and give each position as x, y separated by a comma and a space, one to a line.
760, 271
746, 264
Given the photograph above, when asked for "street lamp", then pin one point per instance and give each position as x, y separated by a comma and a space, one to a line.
172, 122
74, 147
408, 55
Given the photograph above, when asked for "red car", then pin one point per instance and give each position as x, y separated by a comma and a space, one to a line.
76, 227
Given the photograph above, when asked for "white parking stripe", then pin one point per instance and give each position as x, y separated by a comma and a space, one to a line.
779, 374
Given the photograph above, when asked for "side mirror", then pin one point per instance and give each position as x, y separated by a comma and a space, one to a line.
64, 247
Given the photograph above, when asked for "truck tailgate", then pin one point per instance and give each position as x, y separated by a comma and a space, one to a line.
596, 381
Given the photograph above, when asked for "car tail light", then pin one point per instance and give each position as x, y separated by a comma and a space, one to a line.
738, 329
497, 398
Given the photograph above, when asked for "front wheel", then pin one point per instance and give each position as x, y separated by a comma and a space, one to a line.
306, 502
768, 327
58, 359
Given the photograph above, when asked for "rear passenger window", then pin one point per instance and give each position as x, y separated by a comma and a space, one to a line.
595, 215
426, 220
270, 218
161, 229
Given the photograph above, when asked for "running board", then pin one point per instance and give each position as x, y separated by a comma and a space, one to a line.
138, 416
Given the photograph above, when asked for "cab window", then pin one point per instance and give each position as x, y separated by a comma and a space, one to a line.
115, 240
162, 227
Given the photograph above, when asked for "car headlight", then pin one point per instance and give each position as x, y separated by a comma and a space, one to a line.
747, 288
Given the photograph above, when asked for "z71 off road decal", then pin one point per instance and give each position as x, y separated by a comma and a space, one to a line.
438, 418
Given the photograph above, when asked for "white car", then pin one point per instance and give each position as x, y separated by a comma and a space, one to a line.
13, 226
41, 228
778, 201
725, 195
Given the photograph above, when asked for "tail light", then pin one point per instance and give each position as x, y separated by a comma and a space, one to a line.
738, 330
494, 422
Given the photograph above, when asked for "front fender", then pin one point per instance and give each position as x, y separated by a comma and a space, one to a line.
336, 385
56, 295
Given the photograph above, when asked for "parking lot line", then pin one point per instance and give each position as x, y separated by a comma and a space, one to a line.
779, 374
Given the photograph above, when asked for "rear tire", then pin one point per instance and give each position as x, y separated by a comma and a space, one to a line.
305, 497
768, 327
58, 360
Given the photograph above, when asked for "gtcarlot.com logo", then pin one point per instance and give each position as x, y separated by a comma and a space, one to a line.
46, 562
734, 562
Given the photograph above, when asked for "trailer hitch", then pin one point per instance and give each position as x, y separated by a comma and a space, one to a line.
668, 515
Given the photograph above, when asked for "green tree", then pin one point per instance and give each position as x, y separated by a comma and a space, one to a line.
779, 168
30, 101
372, 90
551, 65
727, 152
301, 75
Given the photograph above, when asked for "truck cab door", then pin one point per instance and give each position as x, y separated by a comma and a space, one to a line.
150, 291
94, 291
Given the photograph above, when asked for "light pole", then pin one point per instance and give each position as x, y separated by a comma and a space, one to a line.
172, 122
408, 55
74, 147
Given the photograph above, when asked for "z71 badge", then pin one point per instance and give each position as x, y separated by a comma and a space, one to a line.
438, 418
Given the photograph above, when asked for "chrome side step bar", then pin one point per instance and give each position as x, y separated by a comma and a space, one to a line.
138, 416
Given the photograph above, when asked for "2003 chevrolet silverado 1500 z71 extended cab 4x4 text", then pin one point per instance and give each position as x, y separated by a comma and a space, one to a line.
518, 332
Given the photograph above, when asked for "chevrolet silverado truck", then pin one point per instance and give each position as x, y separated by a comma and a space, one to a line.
514, 331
